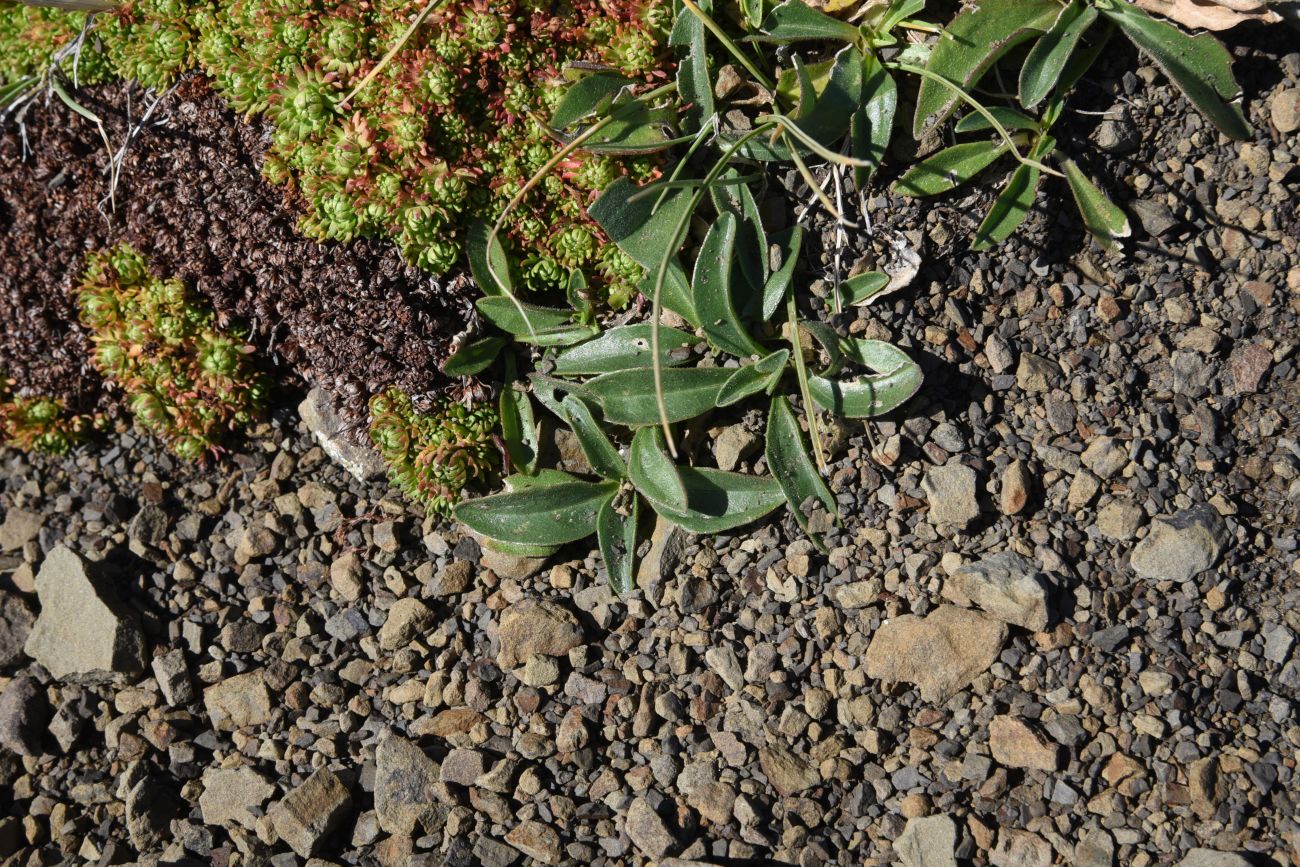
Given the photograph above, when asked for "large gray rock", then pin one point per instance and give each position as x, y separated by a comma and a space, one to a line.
647, 830
928, 841
941, 653
24, 714
310, 813
1179, 547
233, 796
16, 619
1006, 585
321, 417
18, 528
405, 784
535, 626
950, 492
83, 632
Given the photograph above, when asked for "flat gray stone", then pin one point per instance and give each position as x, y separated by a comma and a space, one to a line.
928, 841
321, 417
231, 795
19, 527
24, 714
1213, 858
647, 830
1007, 586
16, 620
405, 781
83, 632
238, 702
1180, 547
310, 813
534, 626
950, 492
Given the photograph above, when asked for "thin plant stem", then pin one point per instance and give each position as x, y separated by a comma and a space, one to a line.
730, 45
801, 374
397, 46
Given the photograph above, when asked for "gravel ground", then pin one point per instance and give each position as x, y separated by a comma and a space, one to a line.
1058, 627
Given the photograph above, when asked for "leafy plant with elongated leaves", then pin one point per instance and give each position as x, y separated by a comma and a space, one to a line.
828, 95
1063, 41
39, 424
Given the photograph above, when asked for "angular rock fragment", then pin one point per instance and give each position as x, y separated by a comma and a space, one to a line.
83, 631
310, 813
941, 653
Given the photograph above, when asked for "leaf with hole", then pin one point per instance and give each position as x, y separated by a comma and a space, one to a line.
1048, 57
711, 290
974, 41
796, 21
634, 127
791, 466
720, 501
475, 357
949, 168
1104, 219
628, 396
628, 215
551, 515
623, 348
601, 453
1199, 65
616, 536
653, 472
753, 378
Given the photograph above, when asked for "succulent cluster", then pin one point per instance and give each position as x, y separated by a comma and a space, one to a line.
432, 456
41, 424
31, 37
444, 133
184, 379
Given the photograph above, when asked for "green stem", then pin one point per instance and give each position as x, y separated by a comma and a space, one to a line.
730, 45
801, 373
975, 104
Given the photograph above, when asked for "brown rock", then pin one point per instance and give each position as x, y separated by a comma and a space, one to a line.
787, 772
536, 840
1015, 488
535, 626
1016, 745
941, 652
307, 815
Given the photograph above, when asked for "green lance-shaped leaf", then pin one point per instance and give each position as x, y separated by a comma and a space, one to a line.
616, 535
623, 348
694, 83
588, 97
628, 396
751, 240
861, 288
483, 249
1050, 53
872, 125
519, 427
644, 233
601, 453
828, 116
949, 168
895, 380
711, 290
787, 245
1012, 204
633, 126
1104, 219
544, 478
973, 42
551, 326
796, 21
720, 501
753, 10
474, 357
653, 472
1009, 118
753, 378
1199, 65
553, 515
790, 464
